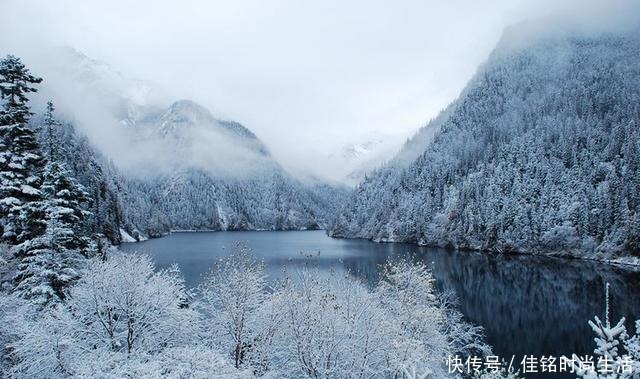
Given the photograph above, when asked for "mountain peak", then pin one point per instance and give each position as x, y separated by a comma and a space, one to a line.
189, 114
188, 111
184, 114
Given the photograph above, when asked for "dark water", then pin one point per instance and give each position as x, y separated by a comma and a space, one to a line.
527, 305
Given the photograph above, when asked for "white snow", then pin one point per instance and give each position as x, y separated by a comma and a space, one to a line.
126, 237
27, 189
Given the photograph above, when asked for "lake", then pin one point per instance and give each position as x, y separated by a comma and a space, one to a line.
528, 305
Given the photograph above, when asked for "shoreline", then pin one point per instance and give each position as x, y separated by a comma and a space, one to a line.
622, 263
633, 266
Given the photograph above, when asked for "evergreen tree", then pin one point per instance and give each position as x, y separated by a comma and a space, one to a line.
610, 361
20, 161
50, 123
65, 202
60, 188
47, 267
50, 261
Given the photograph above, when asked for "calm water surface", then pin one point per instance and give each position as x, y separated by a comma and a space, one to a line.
527, 305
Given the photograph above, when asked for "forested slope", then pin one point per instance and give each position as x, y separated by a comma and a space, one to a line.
191, 199
539, 154
194, 200
209, 174
100, 178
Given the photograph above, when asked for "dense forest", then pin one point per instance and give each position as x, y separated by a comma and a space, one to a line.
540, 154
194, 200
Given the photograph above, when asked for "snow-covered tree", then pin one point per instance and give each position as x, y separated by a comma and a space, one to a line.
66, 199
50, 126
46, 268
429, 329
632, 345
502, 373
20, 160
234, 294
45, 347
334, 327
611, 361
184, 362
122, 319
123, 305
50, 262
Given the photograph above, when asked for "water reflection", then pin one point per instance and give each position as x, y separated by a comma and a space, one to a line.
527, 305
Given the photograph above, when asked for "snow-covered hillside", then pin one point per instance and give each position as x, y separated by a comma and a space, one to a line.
175, 165
539, 154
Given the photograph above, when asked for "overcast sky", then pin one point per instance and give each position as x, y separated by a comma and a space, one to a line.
303, 75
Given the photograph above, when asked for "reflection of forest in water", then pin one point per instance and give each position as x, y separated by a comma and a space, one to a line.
528, 305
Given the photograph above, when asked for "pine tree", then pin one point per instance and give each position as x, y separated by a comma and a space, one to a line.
50, 123
47, 267
65, 197
610, 362
65, 201
20, 161
632, 345
50, 261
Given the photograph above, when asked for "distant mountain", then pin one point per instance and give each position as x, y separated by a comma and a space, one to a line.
539, 154
177, 166
186, 135
211, 174
350, 162
184, 119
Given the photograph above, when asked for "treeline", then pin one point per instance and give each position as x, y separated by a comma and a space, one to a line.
195, 200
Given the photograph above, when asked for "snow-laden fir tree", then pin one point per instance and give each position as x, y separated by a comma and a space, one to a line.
66, 198
632, 345
49, 262
616, 354
20, 160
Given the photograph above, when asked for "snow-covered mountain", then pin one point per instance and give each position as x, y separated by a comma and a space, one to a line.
540, 153
176, 165
183, 120
351, 161
186, 135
